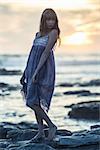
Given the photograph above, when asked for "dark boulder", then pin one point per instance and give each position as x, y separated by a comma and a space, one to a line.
85, 110
4, 71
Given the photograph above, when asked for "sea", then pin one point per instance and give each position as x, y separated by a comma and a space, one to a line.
72, 69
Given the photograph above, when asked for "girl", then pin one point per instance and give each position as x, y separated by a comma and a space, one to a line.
38, 79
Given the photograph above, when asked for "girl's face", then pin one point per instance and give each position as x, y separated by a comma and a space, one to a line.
50, 23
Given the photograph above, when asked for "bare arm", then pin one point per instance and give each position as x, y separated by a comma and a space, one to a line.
52, 39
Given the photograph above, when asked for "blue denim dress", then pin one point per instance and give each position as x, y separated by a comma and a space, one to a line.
41, 91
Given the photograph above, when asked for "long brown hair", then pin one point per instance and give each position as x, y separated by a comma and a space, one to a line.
49, 14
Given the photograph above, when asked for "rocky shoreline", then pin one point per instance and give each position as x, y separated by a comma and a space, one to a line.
18, 137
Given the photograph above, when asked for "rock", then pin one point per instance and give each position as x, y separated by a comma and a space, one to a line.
91, 83
95, 126
85, 110
64, 132
81, 93
9, 124
4, 71
77, 92
76, 140
19, 138
3, 133
23, 131
21, 135
89, 94
35, 147
6, 88
3, 85
95, 82
88, 102
95, 131
27, 125
11, 114
66, 85
13, 87
4, 93
14, 146
3, 143
57, 94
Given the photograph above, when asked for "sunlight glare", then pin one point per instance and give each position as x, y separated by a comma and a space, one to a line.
77, 38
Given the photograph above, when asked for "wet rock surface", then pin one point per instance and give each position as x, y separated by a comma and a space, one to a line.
18, 137
85, 110
95, 82
81, 93
5, 89
4, 71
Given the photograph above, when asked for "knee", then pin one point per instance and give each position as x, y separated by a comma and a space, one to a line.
33, 107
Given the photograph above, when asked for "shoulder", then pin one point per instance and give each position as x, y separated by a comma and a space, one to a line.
54, 33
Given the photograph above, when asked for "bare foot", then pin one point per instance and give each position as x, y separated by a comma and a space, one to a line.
38, 138
52, 132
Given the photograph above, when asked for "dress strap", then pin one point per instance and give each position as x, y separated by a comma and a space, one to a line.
36, 34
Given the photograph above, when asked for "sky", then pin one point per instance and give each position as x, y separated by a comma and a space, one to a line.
79, 22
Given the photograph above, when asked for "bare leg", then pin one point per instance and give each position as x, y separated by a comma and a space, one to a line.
41, 114
40, 124
40, 135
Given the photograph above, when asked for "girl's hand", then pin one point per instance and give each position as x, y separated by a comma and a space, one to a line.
34, 78
22, 80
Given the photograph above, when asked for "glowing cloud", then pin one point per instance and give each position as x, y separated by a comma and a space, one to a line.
77, 38
71, 4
